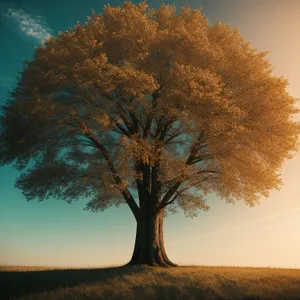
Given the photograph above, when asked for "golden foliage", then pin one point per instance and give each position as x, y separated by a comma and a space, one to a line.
158, 80
141, 150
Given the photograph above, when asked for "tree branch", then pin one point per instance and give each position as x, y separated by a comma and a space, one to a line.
172, 137
189, 161
151, 115
178, 193
124, 130
125, 192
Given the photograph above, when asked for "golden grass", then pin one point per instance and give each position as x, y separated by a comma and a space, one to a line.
141, 282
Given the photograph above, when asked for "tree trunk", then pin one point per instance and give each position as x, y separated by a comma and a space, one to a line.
149, 242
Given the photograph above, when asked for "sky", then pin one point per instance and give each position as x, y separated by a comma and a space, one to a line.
54, 233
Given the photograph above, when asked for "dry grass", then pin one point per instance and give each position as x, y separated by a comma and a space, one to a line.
141, 282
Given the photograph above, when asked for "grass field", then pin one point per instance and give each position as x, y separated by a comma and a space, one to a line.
141, 282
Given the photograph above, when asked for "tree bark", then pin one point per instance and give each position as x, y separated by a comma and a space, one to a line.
149, 246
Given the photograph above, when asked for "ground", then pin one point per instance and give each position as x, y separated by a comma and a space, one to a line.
141, 282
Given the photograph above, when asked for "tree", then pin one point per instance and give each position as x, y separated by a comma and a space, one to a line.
151, 109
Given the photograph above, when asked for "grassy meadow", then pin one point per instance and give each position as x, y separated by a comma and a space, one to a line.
141, 282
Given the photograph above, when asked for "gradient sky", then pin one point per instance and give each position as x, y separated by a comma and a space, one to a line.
54, 233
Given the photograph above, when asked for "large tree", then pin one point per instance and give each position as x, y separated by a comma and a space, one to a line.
152, 109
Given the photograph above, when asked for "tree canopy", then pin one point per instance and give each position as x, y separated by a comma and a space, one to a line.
140, 99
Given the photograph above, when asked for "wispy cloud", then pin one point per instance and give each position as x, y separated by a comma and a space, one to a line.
271, 217
26, 24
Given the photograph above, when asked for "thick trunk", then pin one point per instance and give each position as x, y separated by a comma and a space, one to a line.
149, 242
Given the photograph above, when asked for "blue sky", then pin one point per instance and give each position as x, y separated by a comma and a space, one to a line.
55, 233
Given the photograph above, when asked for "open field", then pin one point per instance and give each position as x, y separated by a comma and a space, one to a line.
140, 282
